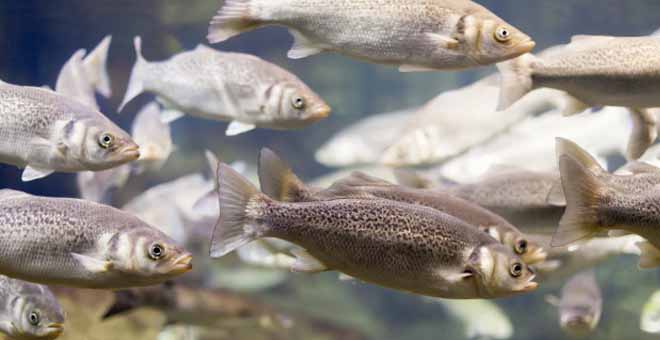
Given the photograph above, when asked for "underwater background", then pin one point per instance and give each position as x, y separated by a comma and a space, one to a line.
37, 37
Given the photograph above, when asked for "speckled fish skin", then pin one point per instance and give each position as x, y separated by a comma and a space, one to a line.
278, 181
596, 70
415, 34
519, 196
581, 304
29, 311
397, 245
227, 86
82, 244
594, 205
47, 131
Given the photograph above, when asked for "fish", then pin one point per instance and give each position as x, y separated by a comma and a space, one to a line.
29, 311
44, 132
595, 71
566, 261
530, 144
364, 141
280, 182
595, 204
154, 138
444, 34
76, 243
530, 200
83, 75
100, 185
650, 318
242, 89
492, 323
392, 244
190, 305
453, 122
580, 305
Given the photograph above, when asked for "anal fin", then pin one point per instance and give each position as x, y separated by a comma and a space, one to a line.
237, 128
31, 173
302, 46
306, 263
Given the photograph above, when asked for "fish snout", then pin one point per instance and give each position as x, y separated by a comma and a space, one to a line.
182, 264
535, 255
525, 46
54, 330
130, 151
319, 111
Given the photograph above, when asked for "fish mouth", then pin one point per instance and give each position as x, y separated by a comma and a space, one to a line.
320, 112
182, 264
131, 152
535, 256
54, 329
525, 46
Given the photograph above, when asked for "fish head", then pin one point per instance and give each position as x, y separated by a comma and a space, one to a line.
293, 104
36, 316
500, 272
578, 320
529, 251
148, 255
491, 40
97, 143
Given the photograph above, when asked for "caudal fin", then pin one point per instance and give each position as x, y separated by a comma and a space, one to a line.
583, 191
516, 80
136, 81
233, 228
95, 64
278, 180
234, 18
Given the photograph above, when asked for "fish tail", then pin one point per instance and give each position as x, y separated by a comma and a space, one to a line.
124, 301
234, 228
516, 79
277, 179
583, 191
135, 82
232, 19
95, 65
649, 256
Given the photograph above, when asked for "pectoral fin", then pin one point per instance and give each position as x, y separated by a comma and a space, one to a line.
302, 47
306, 263
552, 299
443, 41
31, 173
236, 128
92, 264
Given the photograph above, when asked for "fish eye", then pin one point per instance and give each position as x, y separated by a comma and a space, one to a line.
298, 102
521, 247
502, 34
34, 318
106, 140
516, 269
156, 251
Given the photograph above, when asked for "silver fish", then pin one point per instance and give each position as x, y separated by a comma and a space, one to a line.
240, 88
43, 132
280, 182
82, 244
596, 71
415, 35
580, 305
595, 204
393, 244
154, 138
29, 311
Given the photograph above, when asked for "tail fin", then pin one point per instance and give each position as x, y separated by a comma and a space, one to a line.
583, 191
232, 229
135, 83
569, 148
649, 255
232, 19
125, 300
516, 79
278, 180
96, 68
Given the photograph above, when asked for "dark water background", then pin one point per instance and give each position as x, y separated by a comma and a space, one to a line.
38, 36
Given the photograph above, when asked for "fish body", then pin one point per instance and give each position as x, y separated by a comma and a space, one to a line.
595, 204
279, 181
154, 138
397, 245
43, 132
82, 244
414, 35
29, 311
581, 304
234, 87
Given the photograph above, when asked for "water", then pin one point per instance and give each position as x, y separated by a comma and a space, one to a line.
37, 37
